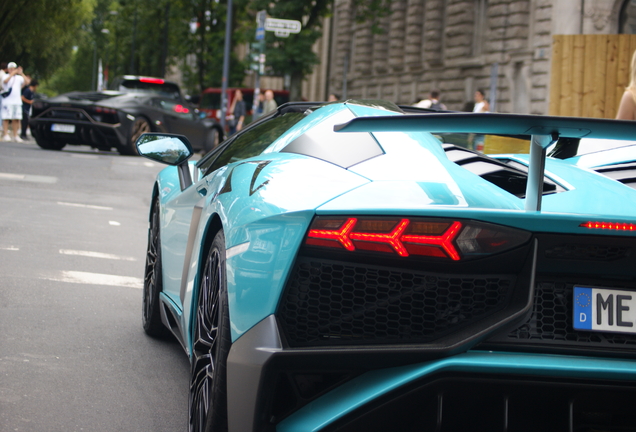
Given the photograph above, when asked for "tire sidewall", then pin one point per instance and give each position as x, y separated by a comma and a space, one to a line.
152, 320
217, 414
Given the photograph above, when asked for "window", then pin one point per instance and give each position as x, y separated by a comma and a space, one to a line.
627, 18
252, 141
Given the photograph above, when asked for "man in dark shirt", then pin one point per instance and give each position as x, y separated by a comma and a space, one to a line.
28, 94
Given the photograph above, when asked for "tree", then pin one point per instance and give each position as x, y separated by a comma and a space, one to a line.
39, 34
294, 55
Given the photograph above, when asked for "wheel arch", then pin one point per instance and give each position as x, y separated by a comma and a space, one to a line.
213, 226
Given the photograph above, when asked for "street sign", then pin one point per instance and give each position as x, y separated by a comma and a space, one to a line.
261, 16
282, 27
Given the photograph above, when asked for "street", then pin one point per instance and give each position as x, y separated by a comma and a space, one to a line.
73, 354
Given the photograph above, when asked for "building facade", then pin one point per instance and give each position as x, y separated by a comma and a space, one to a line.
459, 46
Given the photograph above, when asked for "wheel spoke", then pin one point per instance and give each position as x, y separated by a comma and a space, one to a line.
205, 340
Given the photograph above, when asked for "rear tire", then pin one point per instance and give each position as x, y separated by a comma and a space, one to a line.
49, 145
139, 126
153, 285
212, 140
210, 346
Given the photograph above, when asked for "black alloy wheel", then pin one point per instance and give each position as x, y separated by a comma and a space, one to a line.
211, 345
151, 313
212, 140
139, 126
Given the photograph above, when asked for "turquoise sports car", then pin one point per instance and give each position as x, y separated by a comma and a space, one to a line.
353, 266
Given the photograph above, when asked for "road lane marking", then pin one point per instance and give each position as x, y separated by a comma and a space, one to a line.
98, 279
114, 223
84, 156
84, 206
28, 178
9, 248
96, 255
133, 163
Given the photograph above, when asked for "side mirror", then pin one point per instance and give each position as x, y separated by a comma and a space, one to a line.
168, 149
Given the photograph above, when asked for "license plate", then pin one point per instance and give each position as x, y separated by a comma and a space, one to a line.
606, 310
65, 128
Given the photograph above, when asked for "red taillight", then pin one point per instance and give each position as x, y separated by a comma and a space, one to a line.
104, 110
181, 109
413, 236
152, 80
401, 236
614, 226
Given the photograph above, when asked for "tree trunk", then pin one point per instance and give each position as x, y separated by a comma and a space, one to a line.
296, 87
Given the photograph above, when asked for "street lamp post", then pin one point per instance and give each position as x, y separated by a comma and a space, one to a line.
226, 63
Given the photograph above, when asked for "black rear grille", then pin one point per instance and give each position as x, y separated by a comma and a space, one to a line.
331, 303
471, 402
66, 114
551, 322
587, 252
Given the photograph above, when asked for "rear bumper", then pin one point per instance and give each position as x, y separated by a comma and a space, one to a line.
336, 390
480, 391
90, 133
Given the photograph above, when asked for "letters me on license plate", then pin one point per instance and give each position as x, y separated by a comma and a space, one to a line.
602, 309
66, 128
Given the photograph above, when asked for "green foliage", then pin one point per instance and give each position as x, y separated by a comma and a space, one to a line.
62, 39
294, 55
39, 34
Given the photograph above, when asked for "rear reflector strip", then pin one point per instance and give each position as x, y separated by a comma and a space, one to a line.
614, 226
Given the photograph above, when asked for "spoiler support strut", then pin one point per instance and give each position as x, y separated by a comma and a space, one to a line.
536, 170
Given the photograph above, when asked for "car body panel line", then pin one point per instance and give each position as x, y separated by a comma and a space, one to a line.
171, 318
194, 228
245, 364
371, 385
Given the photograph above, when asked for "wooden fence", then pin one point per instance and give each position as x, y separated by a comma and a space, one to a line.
589, 74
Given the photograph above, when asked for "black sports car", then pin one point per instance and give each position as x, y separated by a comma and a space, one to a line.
117, 117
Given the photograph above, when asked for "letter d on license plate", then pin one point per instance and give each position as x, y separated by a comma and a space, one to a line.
602, 309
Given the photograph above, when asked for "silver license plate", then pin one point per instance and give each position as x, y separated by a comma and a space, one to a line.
64, 128
604, 310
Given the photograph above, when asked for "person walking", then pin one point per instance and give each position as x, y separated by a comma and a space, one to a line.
432, 103
3, 74
269, 104
627, 105
13, 83
481, 104
28, 95
237, 113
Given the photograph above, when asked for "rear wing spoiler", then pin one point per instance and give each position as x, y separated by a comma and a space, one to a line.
544, 130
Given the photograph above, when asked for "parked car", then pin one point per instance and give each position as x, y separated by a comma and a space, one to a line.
339, 267
210, 101
115, 118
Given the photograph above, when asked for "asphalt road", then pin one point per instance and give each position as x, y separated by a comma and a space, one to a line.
73, 354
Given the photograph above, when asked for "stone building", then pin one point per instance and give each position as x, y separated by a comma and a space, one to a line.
458, 46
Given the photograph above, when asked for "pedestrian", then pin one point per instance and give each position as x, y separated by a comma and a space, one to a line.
237, 113
435, 102
3, 74
627, 106
269, 104
481, 104
13, 83
333, 97
28, 95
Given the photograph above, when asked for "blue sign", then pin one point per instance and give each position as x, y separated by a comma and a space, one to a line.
583, 308
260, 33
